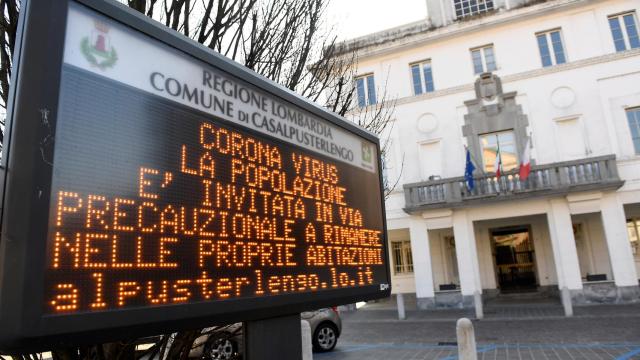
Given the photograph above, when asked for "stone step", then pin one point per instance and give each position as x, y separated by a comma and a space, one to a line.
525, 295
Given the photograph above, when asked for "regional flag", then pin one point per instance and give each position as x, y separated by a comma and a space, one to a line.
468, 172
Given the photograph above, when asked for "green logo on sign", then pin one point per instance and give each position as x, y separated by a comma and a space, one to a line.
367, 153
97, 48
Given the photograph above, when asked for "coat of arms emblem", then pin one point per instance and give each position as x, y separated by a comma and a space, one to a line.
367, 153
97, 48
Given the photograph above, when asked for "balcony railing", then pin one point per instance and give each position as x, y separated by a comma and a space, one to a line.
597, 173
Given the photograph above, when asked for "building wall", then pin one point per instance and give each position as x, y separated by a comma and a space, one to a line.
592, 246
575, 110
597, 117
585, 97
585, 31
443, 258
403, 283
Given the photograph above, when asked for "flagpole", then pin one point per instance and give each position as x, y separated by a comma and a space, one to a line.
498, 154
498, 169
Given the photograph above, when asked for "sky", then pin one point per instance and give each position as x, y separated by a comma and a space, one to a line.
354, 18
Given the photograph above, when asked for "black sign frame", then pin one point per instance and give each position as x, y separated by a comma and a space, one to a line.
26, 186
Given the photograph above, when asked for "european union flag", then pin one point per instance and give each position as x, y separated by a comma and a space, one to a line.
468, 172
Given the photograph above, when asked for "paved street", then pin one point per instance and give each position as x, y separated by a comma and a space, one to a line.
520, 331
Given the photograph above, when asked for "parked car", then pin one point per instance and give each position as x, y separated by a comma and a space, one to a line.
225, 342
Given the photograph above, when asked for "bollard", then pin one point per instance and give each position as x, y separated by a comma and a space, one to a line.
307, 346
477, 299
566, 302
466, 340
401, 313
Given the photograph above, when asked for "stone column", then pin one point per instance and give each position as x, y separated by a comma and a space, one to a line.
563, 243
422, 271
467, 256
622, 262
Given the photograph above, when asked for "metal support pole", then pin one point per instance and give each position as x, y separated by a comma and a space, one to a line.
307, 345
275, 338
477, 300
401, 313
566, 302
466, 340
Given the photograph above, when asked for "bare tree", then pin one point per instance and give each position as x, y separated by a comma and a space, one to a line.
280, 39
8, 28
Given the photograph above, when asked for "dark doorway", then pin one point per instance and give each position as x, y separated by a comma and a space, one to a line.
515, 259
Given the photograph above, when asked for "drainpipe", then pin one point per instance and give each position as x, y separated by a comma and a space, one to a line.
443, 14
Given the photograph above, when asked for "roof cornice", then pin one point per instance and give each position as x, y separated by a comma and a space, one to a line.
421, 33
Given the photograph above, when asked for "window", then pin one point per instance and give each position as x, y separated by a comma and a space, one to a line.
471, 7
366, 90
402, 259
551, 49
422, 77
624, 30
633, 116
483, 59
489, 146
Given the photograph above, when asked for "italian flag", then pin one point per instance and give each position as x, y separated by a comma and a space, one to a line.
525, 163
498, 164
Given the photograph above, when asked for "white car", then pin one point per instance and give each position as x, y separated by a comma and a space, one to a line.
225, 342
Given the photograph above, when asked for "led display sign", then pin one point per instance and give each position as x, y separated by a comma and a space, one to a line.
152, 186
